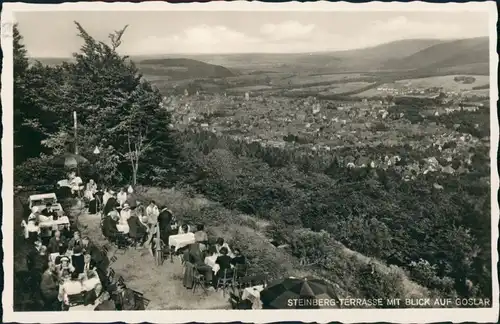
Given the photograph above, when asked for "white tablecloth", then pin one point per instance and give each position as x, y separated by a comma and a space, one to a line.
123, 228
51, 223
253, 294
86, 285
181, 240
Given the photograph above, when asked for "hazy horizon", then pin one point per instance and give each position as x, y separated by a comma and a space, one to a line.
52, 34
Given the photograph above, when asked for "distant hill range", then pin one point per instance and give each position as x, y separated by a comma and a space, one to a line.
460, 55
427, 56
183, 68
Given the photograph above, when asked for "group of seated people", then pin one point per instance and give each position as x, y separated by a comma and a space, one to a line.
127, 220
74, 272
213, 260
39, 215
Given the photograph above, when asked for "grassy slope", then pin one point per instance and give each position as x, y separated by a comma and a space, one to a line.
245, 229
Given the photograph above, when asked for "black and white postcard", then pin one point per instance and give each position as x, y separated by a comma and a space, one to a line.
246, 161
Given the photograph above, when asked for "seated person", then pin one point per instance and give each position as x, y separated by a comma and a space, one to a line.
238, 257
66, 232
109, 223
137, 230
125, 298
88, 264
211, 255
194, 255
48, 211
65, 268
63, 252
220, 244
123, 221
76, 241
184, 229
224, 261
78, 260
76, 183
56, 242
200, 236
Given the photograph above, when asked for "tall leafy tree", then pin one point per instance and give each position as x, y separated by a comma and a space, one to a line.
117, 110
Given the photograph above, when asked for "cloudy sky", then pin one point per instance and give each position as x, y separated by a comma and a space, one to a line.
53, 34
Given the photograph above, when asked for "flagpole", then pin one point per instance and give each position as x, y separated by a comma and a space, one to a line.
75, 127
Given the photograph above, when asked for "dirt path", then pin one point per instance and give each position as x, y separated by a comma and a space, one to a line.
161, 284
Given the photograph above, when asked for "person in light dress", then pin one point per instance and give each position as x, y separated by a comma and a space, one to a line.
121, 197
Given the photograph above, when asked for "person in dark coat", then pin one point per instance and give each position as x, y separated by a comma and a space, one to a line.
125, 299
196, 257
48, 211
78, 260
111, 204
137, 230
164, 222
56, 242
109, 228
37, 261
49, 289
238, 257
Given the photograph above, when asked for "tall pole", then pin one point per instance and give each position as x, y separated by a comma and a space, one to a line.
75, 127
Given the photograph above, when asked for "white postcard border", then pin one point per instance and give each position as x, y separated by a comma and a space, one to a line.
255, 316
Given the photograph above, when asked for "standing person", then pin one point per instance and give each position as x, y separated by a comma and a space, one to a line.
122, 197
49, 288
78, 260
31, 228
90, 189
108, 193
37, 261
152, 212
56, 242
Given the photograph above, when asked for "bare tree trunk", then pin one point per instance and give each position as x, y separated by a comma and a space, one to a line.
134, 175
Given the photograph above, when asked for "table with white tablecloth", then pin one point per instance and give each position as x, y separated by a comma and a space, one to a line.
122, 228
253, 295
181, 240
86, 285
64, 220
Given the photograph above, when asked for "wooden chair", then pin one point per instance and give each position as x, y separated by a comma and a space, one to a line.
122, 242
111, 274
239, 271
199, 281
143, 301
225, 282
